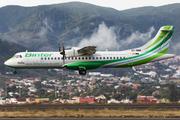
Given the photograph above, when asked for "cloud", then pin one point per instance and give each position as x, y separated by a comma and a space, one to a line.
106, 38
137, 38
76, 30
45, 28
103, 37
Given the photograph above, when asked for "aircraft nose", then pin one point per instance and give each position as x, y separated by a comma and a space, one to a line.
6, 63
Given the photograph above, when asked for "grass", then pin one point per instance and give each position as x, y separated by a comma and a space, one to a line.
78, 113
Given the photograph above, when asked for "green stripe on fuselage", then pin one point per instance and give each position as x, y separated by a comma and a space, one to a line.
146, 60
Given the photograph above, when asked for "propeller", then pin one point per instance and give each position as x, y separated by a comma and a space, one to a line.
59, 47
63, 51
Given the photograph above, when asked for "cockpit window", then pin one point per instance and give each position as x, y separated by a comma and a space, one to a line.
17, 56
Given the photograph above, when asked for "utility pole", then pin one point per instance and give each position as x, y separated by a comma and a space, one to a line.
5, 88
55, 91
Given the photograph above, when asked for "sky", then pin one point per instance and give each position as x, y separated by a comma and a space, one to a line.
116, 4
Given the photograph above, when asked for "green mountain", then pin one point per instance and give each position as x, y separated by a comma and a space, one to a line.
8, 49
42, 27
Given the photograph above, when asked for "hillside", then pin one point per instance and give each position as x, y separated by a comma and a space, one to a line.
8, 49
42, 27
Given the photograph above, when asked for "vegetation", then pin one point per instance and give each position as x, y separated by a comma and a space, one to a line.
79, 113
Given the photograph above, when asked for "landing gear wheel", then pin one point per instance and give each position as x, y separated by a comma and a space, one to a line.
15, 72
82, 71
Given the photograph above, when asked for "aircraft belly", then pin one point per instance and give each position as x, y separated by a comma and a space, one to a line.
88, 65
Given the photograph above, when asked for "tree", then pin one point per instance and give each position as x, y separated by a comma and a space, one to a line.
173, 96
117, 96
40, 92
38, 84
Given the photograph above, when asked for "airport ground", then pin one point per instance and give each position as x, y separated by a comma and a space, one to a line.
90, 111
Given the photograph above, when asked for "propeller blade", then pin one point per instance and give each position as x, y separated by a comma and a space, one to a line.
63, 52
59, 47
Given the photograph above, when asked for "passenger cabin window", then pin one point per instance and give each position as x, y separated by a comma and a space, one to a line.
45, 58
114, 58
48, 58
104, 58
110, 57
89, 57
58, 58
52, 58
124, 58
83, 58
120, 57
97, 58
55, 58
93, 58
76, 58
41, 58
86, 58
117, 57
107, 57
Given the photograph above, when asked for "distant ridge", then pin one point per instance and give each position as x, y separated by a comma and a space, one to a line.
42, 27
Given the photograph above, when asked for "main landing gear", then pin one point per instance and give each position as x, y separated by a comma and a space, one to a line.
82, 71
15, 72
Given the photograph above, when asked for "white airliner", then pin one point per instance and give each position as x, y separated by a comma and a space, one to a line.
87, 58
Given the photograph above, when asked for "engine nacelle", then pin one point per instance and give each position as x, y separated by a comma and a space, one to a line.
73, 52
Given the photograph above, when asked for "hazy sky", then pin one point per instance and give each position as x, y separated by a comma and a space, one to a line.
117, 4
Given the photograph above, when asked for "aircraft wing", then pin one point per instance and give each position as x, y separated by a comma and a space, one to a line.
88, 50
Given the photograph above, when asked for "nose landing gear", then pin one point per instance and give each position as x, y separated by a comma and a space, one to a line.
15, 72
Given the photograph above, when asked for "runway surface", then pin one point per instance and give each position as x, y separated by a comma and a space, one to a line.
123, 106
89, 118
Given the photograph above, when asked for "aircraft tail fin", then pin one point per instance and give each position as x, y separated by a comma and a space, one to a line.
160, 43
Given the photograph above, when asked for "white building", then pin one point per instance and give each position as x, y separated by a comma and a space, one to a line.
126, 101
113, 101
94, 73
106, 75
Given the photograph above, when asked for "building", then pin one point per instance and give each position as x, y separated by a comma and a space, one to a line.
146, 99
86, 100
95, 73
126, 101
113, 101
155, 92
21, 100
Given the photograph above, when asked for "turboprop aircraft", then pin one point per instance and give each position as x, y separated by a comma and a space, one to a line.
87, 58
